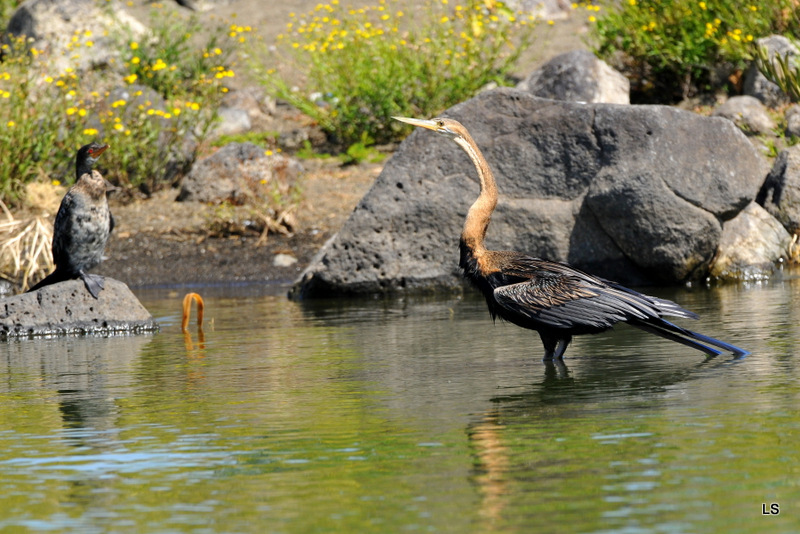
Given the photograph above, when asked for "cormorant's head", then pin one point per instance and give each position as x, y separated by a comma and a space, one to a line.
87, 157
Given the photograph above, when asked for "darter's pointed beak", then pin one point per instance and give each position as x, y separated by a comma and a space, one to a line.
423, 123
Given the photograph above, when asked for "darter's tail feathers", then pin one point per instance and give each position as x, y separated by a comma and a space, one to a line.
697, 341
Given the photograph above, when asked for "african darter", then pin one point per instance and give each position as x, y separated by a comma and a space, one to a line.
553, 298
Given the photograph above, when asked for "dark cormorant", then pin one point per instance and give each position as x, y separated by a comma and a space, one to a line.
82, 225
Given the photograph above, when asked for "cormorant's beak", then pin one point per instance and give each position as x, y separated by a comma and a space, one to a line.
423, 123
97, 152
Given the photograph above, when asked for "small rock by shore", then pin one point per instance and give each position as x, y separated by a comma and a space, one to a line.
67, 308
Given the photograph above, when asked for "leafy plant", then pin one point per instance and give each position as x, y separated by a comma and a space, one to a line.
168, 61
45, 116
29, 135
360, 67
307, 152
362, 151
780, 70
262, 139
7, 8
672, 49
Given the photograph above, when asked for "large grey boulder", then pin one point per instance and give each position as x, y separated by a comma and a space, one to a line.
633, 193
236, 173
780, 194
751, 244
52, 24
66, 308
578, 76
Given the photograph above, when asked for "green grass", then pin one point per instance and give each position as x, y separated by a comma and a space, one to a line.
362, 66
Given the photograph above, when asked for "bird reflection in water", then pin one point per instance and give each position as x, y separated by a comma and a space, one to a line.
553, 298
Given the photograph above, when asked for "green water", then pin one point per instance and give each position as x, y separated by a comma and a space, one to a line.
406, 415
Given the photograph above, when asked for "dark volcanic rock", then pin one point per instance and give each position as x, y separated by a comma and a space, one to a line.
637, 194
780, 194
235, 173
67, 308
578, 76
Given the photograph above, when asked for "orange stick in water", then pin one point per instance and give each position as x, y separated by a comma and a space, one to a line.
187, 310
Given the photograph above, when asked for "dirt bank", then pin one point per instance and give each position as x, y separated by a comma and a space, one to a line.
162, 242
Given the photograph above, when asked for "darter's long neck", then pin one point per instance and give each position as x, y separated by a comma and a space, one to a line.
477, 221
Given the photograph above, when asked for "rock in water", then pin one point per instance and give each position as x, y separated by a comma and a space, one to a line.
67, 308
637, 194
780, 194
751, 244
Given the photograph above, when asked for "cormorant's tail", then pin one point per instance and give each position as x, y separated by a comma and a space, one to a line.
673, 332
52, 278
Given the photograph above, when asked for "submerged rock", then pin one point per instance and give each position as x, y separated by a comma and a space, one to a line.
751, 244
636, 194
67, 308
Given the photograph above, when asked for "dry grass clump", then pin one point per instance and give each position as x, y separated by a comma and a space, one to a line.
25, 253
